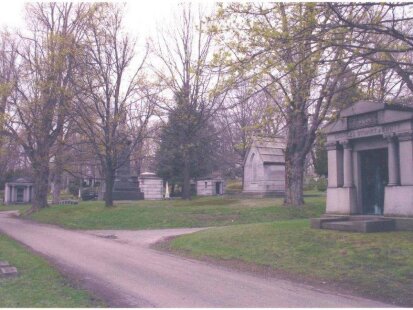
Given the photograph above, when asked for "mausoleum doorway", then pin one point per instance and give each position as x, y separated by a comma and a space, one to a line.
20, 194
374, 178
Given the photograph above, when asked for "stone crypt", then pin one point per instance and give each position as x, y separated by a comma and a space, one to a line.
370, 169
264, 167
18, 190
370, 160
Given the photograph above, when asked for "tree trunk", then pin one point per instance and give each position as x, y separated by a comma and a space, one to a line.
186, 188
109, 182
57, 188
294, 177
41, 177
295, 154
57, 180
243, 177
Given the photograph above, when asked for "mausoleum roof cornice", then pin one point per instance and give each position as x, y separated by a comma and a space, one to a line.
366, 106
364, 114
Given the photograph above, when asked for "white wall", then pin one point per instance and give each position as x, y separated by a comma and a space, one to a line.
151, 187
208, 187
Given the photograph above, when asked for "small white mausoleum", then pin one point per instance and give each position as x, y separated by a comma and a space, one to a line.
264, 167
370, 160
151, 186
210, 186
18, 191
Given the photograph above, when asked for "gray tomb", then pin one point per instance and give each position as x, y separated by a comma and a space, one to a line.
18, 191
151, 186
126, 186
370, 160
211, 186
264, 167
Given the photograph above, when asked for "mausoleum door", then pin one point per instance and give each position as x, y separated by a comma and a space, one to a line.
218, 188
20, 195
374, 178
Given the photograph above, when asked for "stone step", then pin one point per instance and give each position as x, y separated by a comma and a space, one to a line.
4, 263
8, 271
363, 226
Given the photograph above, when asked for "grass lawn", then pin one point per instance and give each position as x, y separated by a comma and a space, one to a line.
38, 284
378, 265
21, 208
198, 212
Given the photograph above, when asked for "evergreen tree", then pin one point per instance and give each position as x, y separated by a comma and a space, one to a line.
187, 146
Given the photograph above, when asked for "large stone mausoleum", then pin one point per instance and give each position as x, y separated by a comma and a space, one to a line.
264, 167
370, 160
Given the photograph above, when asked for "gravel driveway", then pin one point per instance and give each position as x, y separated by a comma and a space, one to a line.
121, 268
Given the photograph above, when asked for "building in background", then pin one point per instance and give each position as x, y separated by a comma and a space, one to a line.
18, 191
264, 167
151, 186
210, 186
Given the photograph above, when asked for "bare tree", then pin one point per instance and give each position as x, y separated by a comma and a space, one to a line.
8, 56
62, 158
37, 107
113, 102
382, 36
247, 113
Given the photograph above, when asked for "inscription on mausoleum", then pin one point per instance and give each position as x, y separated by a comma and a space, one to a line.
362, 121
367, 132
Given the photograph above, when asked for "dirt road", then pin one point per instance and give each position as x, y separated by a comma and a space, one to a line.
120, 266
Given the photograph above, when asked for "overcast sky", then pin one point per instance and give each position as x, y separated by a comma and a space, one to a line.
141, 18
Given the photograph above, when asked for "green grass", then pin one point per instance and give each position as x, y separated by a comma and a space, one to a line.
379, 265
198, 212
233, 187
38, 284
21, 208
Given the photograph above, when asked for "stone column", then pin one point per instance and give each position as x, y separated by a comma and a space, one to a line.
347, 164
393, 162
6, 194
12, 194
334, 165
26, 194
406, 153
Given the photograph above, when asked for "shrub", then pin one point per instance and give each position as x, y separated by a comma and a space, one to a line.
89, 194
74, 188
322, 184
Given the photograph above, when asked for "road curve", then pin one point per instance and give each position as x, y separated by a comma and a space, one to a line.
127, 273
